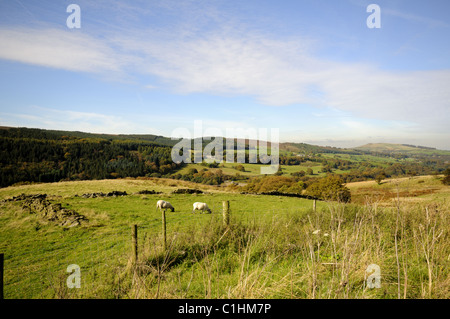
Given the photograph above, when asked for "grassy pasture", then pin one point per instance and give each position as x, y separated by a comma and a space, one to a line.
252, 170
413, 190
274, 247
108, 232
383, 161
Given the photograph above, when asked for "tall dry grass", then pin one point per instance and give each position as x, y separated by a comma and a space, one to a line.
304, 254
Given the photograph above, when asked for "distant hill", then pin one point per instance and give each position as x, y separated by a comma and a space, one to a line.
390, 147
401, 148
38, 155
300, 148
24, 132
315, 149
35, 133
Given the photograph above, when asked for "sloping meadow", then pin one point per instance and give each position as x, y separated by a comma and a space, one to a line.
273, 246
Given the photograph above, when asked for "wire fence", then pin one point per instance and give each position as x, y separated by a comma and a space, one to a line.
39, 268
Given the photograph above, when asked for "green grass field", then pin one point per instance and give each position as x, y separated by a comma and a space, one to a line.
274, 247
252, 170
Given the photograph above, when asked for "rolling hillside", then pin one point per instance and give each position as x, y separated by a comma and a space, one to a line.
37, 155
401, 148
273, 246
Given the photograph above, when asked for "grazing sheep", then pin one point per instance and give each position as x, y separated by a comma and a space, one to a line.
201, 206
162, 204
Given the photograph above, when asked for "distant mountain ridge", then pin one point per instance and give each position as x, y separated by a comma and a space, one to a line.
37, 155
390, 146
23, 132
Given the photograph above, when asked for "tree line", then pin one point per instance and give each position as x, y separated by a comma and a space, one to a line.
35, 155
38, 158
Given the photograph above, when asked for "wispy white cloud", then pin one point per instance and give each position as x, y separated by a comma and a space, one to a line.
73, 51
274, 72
226, 64
281, 73
232, 60
37, 116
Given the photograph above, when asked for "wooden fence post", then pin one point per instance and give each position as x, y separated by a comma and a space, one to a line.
226, 212
134, 246
314, 205
164, 229
1, 276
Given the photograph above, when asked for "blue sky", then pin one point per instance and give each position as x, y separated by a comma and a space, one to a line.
311, 68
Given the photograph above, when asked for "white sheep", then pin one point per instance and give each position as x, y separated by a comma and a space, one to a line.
162, 204
201, 206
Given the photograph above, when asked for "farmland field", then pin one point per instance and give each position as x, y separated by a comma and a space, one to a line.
252, 170
274, 246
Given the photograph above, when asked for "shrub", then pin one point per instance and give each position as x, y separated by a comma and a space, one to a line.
192, 171
446, 180
299, 174
330, 188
